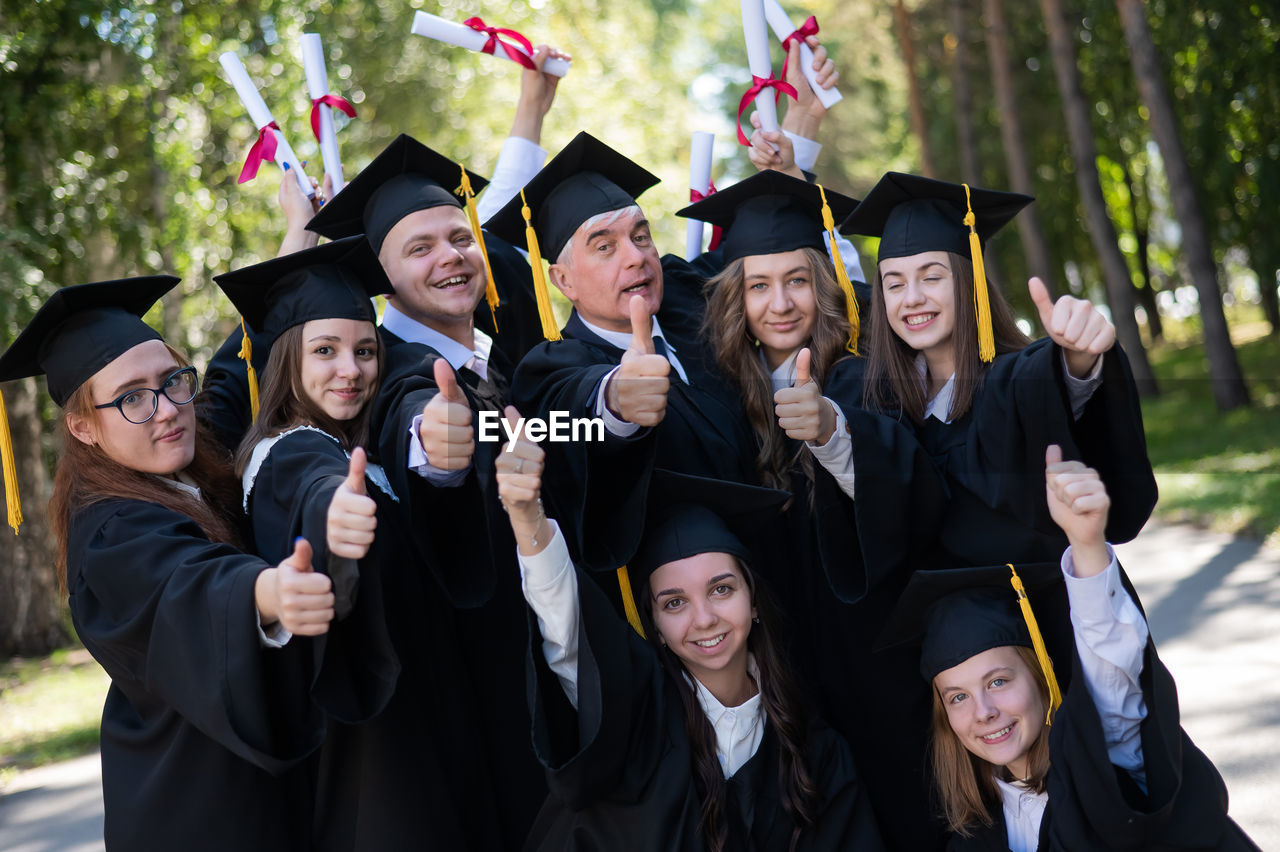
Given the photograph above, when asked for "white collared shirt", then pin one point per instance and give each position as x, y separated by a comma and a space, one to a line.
740, 729
622, 339
785, 375
1079, 391
1023, 813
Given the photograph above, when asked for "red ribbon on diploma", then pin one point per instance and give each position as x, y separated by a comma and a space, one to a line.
264, 148
330, 101
717, 233
758, 85
808, 28
495, 39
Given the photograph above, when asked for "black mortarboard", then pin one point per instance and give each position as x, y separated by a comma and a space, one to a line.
83, 328
913, 214
405, 178
586, 178
955, 613
334, 281
75, 334
768, 213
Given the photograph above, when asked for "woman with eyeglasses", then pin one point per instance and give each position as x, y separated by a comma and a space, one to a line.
209, 710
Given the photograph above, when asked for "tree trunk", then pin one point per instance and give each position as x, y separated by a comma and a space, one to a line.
1034, 242
970, 169
1229, 389
902, 18
1265, 262
1102, 231
1142, 235
30, 603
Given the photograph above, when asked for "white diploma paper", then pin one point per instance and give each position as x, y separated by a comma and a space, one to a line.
261, 116
758, 58
426, 24
780, 23
318, 87
699, 179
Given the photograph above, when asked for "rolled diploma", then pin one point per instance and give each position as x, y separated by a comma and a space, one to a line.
318, 87
699, 179
758, 59
781, 25
426, 24
261, 116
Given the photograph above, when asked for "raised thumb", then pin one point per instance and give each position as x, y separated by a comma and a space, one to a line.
300, 559
641, 327
1052, 455
803, 357
512, 416
355, 471
1041, 299
446, 381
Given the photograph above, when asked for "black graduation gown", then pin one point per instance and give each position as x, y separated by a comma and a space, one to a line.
1095, 805
597, 490
223, 403
408, 776
464, 553
620, 769
203, 729
518, 328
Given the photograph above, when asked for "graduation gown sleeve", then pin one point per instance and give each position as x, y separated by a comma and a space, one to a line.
223, 402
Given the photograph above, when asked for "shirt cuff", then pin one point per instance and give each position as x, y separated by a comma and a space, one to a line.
613, 424
1101, 600
275, 637
419, 464
836, 455
1080, 391
806, 151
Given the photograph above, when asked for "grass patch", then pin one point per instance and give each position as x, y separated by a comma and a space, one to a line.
50, 708
1220, 470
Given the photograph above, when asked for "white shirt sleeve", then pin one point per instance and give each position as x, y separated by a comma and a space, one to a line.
518, 161
419, 464
276, 637
550, 585
806, 151
837, 454
1079, 391
615, 425
848, 254
1111, 637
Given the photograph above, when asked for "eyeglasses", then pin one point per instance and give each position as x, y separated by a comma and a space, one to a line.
141, 404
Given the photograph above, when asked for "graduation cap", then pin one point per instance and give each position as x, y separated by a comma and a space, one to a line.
687, 515
75, 334
955, 613
771, 212
404, 178
585, 179
337, 280
913, 214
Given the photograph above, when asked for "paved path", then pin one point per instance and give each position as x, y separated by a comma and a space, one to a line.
1214, 606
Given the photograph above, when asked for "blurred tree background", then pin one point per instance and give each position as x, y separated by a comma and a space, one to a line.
122, 142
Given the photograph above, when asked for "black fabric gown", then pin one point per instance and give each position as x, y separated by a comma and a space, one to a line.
619, 767
518, 328
203, 729
463, 551
223, 403
597, 490
1095, 805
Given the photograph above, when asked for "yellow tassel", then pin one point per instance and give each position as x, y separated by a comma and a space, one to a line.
629, 601
11, 501
545, 313
1037, 642
842, 276
981, 299
490, 288
246, 355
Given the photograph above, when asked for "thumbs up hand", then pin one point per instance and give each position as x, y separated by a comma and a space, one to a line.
802, 412
637, 393
294, 595
1075, 325
445, 430
519, 474
350, 523
1078, 503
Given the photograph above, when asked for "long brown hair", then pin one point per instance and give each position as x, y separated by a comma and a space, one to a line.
892, 380
965, 782
285, 404
736, 353
784, 710
86, 475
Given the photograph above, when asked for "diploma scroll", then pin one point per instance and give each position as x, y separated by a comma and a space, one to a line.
458, 35
318, 87
753, 28
262, 119
780, 23
699, 183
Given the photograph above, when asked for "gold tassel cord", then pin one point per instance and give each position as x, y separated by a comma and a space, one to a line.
629, 601
842, 276
545, 313
1037, 642
490, 288
246, 355
981, 298
11, 500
